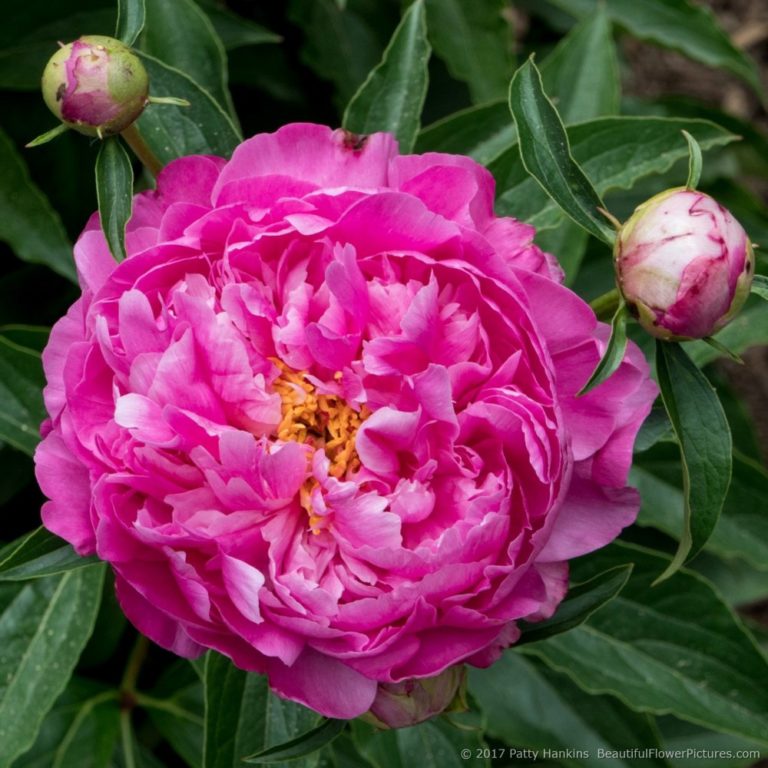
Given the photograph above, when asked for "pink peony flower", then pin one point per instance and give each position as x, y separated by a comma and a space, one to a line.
684, 265
323, 418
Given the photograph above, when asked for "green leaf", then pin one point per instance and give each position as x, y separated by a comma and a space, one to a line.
546, 155
677, 24
482, 132
303, 745
704, 436
433, 744
179, 34
81, 730
28, 223
579, 604
655, 428
760, 286
535, 709
722, 349
243, 717
21, 400
44, 624
475, 41
742, 528
131, 15
614, 352
582, 74
37, 554
235, 31
171, 132
393, 95
615, 152
114, 190
694, 161
339, 45
176, 707
676, 648
44, 138
687, 741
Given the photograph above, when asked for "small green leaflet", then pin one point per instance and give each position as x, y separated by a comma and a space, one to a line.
546, 153
694, 161
114, 190
614, 352
130, 20
44, 138
392, 97
704, 436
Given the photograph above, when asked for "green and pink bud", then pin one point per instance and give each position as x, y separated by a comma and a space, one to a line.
684, 265
96, 85
399, 705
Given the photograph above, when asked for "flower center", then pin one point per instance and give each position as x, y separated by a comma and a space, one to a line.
326, 422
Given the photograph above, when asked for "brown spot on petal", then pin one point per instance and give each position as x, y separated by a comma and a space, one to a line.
60, 91
354, 141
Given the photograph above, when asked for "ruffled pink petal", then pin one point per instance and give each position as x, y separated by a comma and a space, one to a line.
66, 482
313, 153
590, 517
329, 687
66, 332
154, 623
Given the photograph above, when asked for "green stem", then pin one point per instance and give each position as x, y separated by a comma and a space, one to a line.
133, 667
167, 705
126, 735
128, 696
136, 142
605, 306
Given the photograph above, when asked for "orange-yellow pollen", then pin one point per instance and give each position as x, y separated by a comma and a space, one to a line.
324, 421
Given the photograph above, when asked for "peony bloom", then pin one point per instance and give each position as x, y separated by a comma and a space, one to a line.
323, 418
96, 85
684, 265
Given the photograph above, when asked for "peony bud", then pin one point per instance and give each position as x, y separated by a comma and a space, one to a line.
399, 705
684, 265
96, 85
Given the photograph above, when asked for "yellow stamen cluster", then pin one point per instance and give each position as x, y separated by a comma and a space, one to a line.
324, 421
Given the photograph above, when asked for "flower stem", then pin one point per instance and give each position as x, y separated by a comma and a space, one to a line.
606, 305
136, 142
128, 696
126, 735
133, 667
